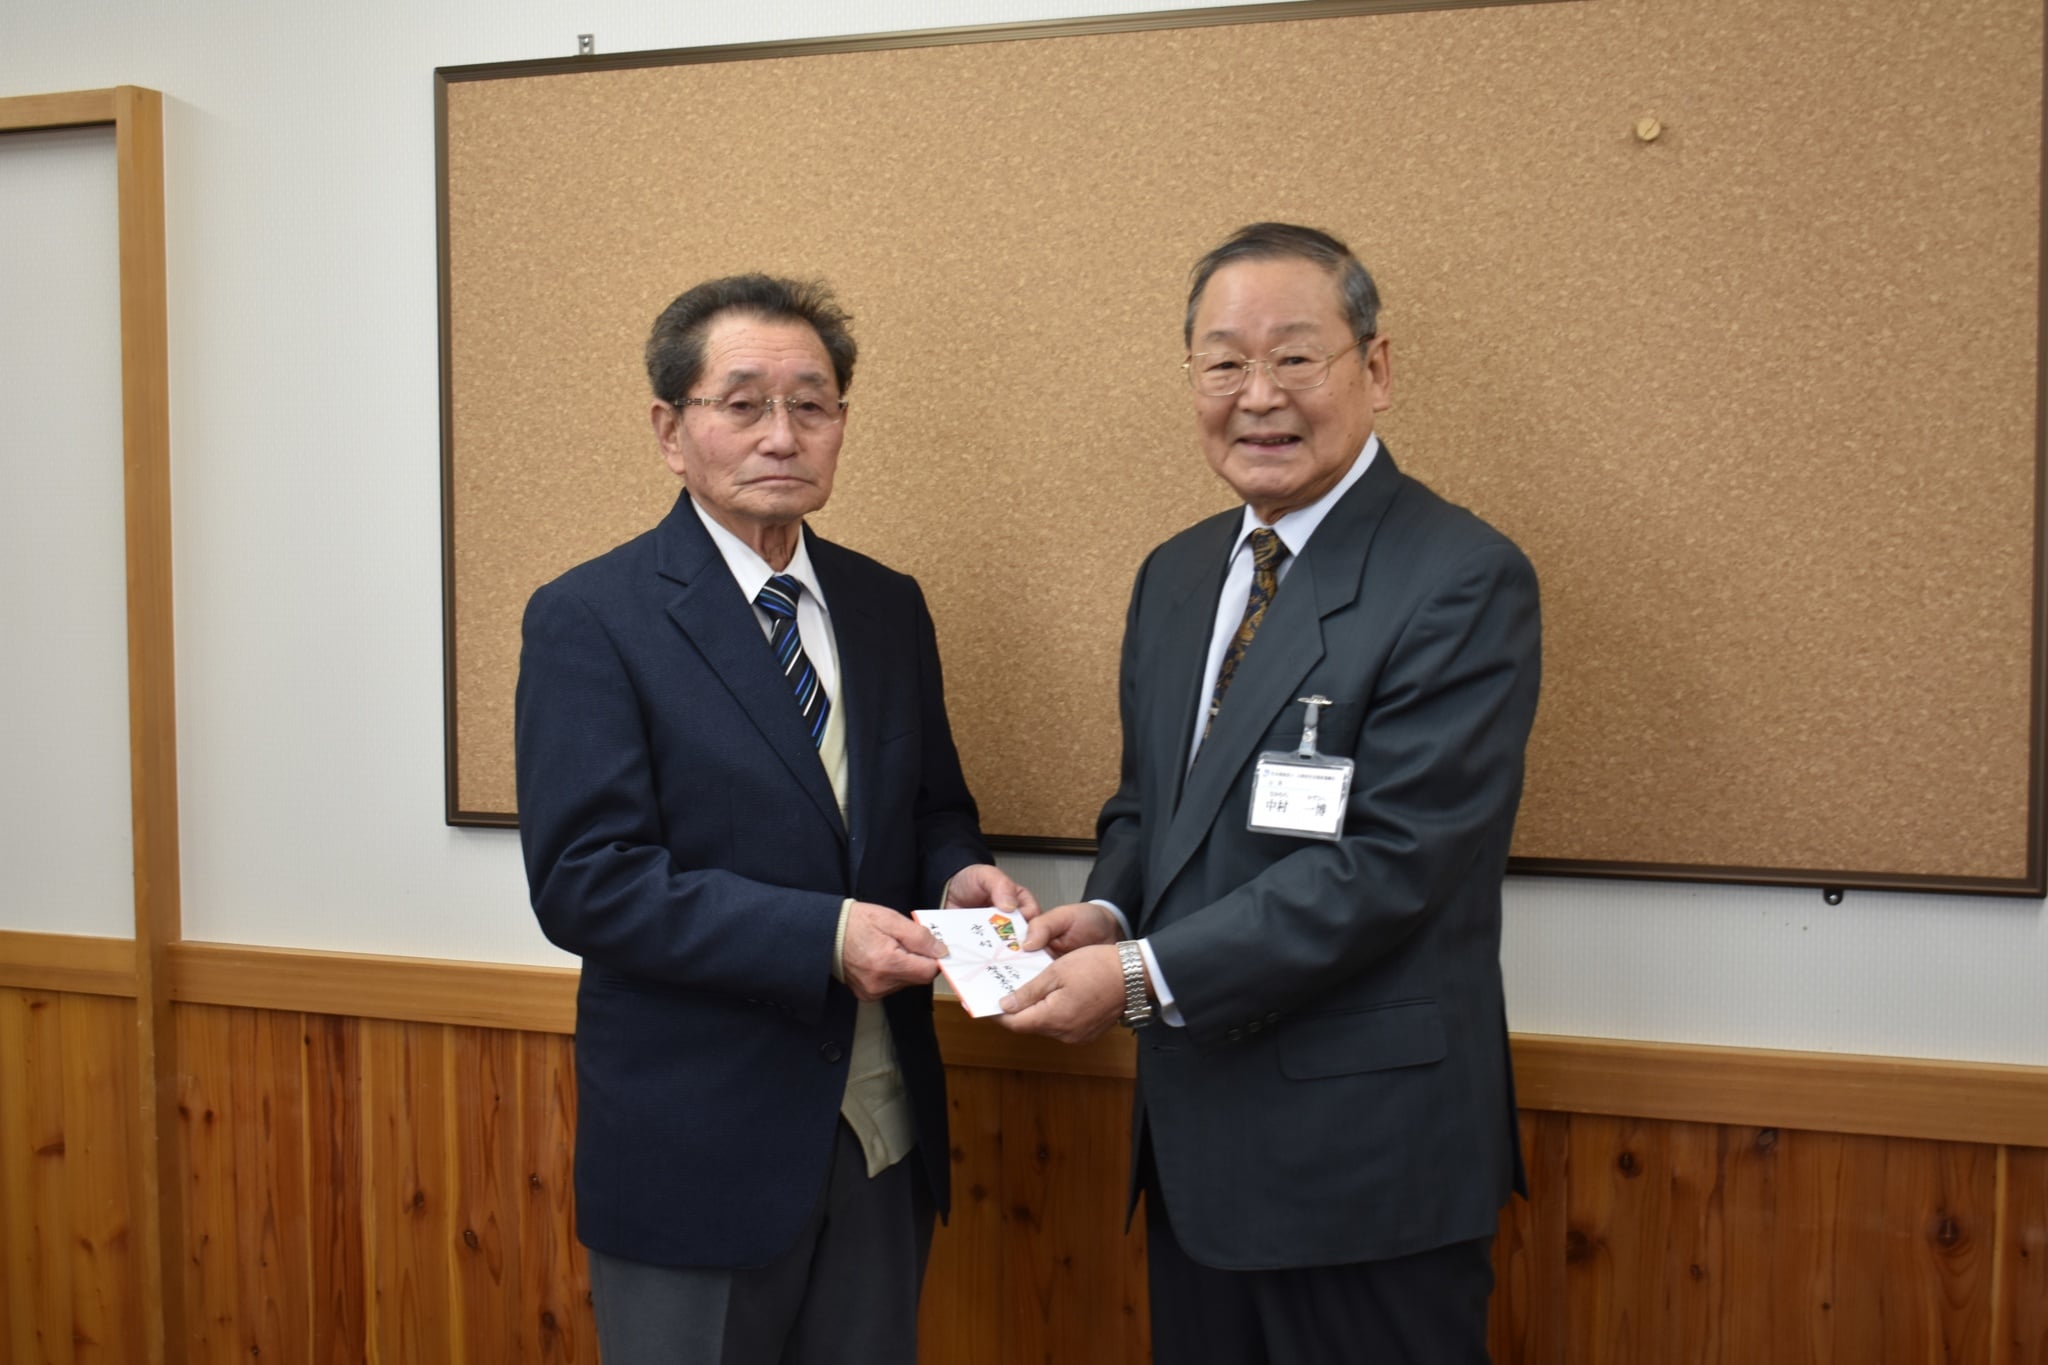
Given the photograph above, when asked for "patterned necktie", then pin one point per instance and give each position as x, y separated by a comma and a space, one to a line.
778, 598
1267, 552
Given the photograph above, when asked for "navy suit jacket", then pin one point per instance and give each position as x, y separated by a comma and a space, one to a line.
681, 836
1342, 1089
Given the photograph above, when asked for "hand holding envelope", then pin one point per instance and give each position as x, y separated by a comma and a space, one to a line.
985, 958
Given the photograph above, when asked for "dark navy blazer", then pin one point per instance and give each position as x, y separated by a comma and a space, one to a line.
681, 837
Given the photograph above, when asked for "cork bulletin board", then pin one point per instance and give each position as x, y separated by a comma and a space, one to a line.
1728, 311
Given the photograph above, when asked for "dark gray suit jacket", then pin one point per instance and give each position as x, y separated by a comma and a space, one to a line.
1342, 1090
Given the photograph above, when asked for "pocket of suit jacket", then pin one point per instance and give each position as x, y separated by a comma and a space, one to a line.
1349, 1042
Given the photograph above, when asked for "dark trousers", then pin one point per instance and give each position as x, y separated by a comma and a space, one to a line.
1425, 1309
845, 1294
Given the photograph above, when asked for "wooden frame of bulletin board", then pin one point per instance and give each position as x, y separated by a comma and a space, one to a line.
1728, 312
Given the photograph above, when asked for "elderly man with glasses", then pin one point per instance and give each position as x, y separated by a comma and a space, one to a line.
1297, 901
736, 777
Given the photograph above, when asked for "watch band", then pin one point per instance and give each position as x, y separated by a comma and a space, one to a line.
1137, 1004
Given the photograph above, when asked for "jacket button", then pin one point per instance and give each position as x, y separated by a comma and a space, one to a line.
1274, 1017
1235, 1035
831, 1052
1253, 1027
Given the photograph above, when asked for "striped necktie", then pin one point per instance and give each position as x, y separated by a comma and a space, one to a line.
1267, 552
778, 598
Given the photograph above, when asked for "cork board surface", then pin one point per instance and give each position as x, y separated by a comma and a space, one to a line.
1758, 397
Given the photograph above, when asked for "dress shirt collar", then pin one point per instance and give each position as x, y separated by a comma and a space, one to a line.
751, 571
1297, 526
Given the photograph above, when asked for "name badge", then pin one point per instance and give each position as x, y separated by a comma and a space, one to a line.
1303, 793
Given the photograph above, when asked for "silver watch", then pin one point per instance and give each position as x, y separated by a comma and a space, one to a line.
1137, 1005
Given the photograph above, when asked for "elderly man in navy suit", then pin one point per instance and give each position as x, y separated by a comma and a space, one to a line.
1325, 698
736, 777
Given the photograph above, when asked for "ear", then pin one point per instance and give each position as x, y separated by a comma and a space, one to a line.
1379, 373
669, 435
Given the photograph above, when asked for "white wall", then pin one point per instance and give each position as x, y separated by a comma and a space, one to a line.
305, 442
66, 845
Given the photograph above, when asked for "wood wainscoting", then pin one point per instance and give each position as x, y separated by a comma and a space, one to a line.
374, 1155
71, 1289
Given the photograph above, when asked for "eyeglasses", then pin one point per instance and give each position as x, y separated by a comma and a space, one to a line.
1220, 373
806, 411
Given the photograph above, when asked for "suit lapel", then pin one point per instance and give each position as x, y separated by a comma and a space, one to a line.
708, 608
1183, 653
864, 670
1326, 579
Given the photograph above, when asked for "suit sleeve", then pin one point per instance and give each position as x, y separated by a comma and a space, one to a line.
948, 824
1118, 874
1439, 774
603, 883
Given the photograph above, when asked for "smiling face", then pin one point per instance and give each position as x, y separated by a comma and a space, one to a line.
1281, 449
759, 481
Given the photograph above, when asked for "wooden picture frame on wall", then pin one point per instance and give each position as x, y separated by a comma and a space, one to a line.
1642, 319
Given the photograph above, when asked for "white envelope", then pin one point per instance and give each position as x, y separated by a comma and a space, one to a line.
985, 958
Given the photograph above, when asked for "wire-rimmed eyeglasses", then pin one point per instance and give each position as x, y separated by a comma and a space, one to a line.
806, 411
1300, 366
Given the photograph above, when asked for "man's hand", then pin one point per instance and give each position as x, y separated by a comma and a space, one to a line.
1073, 1000
1064, 928
885, 951
985, 884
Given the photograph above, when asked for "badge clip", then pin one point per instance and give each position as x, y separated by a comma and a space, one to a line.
1310, 721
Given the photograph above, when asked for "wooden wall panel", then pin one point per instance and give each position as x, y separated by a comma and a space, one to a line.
39, 1234
69, 1288
483, 1120
100, 1151
374, 1189
2023, 1260
1700, 1242
408, 1196
334, 1188
554, 1279
1065, 1161
1528, 1320
273, 1214
964, 1293
1034, 1265
203, 1155
371, 1189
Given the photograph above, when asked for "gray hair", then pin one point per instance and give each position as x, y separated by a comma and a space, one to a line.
1277, 241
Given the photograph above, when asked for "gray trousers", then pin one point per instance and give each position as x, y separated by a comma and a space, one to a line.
844, 1294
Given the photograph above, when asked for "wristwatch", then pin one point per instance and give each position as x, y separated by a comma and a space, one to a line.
1137, 1004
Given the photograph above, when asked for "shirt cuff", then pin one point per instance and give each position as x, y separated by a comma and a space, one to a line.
839, 940
1162, 994
1123, 923
1169, 1013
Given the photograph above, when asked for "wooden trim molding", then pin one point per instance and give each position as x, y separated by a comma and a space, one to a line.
67, 962
371, 986
71, 109
1824, 1092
